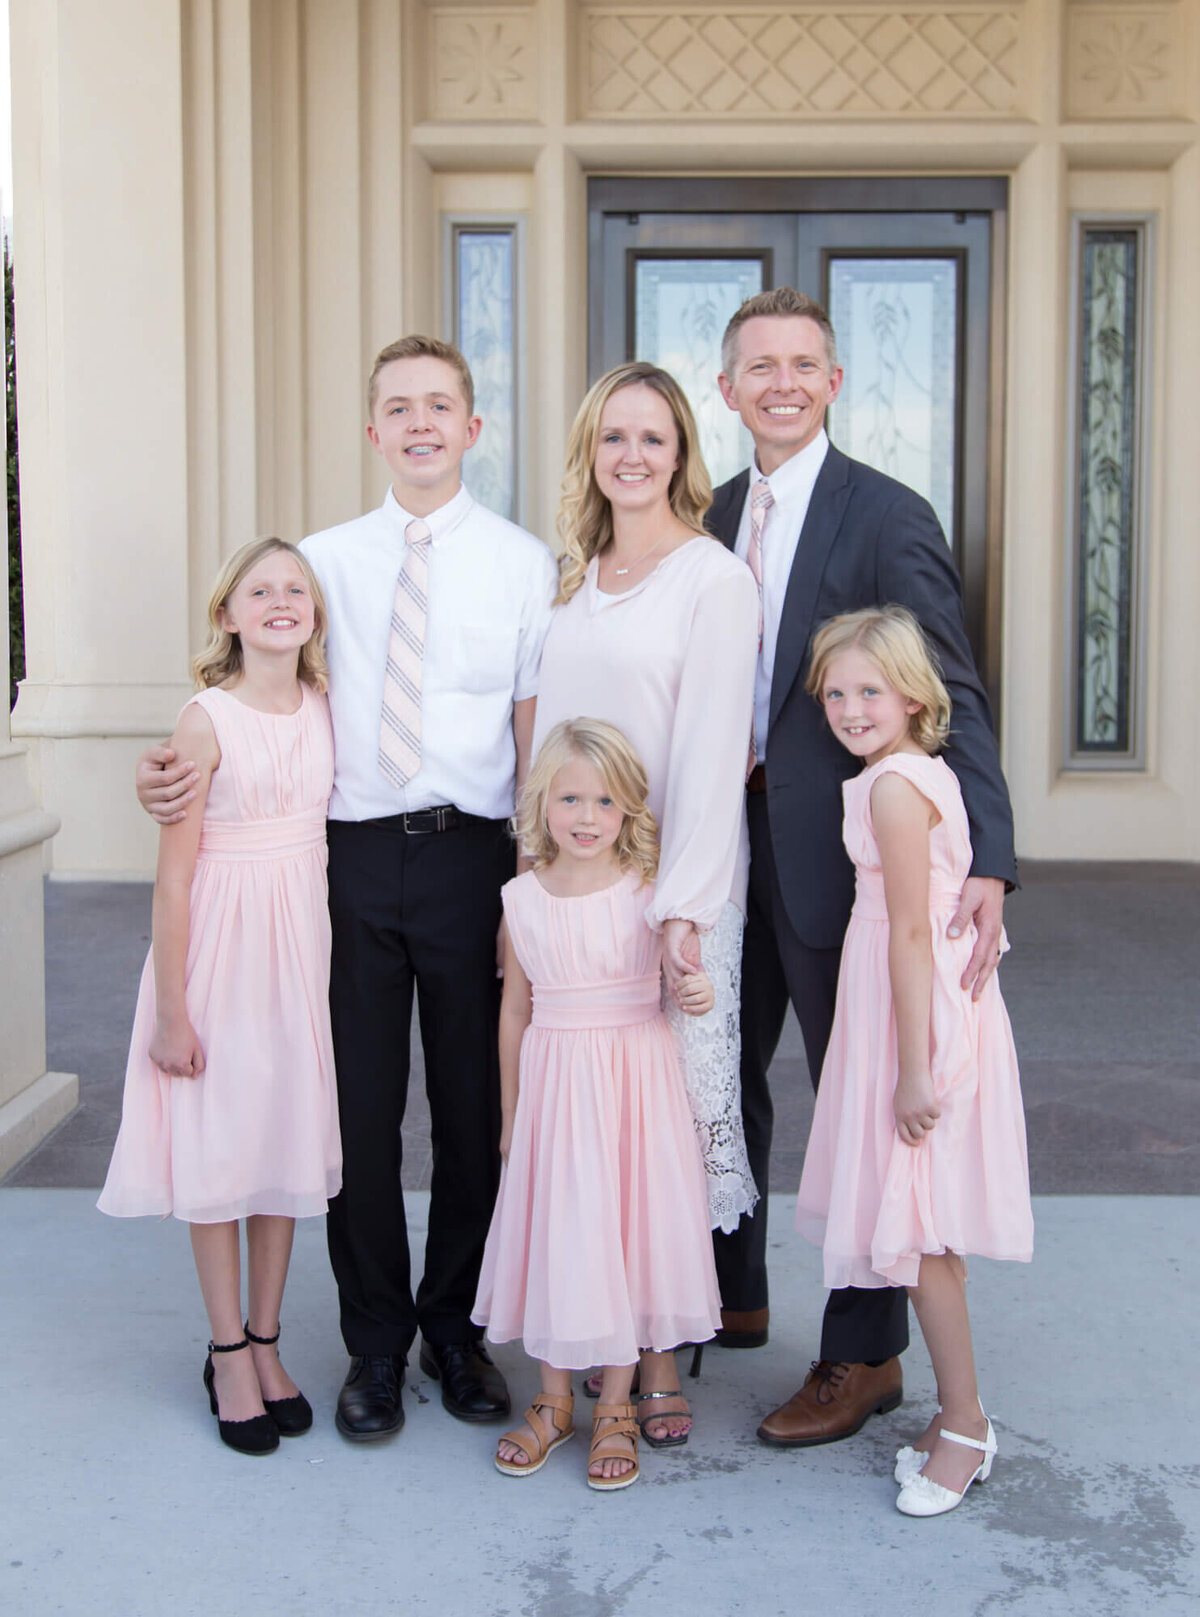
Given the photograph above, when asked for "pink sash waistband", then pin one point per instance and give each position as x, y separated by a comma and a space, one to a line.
871, 905
262, 839
622, 1003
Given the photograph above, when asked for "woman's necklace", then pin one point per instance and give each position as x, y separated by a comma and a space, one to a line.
621, 571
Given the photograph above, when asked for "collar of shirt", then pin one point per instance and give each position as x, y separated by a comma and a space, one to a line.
441, 522
795, 478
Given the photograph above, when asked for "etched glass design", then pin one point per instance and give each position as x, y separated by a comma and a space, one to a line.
485, 331
896, 321
681, 309
1106, 470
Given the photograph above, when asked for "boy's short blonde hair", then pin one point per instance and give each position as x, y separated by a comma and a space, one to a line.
608, 750
893, 639
221, 658
418, 346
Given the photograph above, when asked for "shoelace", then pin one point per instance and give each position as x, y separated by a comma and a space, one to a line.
831, 1374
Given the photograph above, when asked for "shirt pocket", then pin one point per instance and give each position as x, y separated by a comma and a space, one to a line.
484, 658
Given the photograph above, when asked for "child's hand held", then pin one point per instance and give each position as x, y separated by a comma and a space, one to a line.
694, 994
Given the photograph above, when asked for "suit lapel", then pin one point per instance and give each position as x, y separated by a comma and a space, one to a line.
821, 524
725, 514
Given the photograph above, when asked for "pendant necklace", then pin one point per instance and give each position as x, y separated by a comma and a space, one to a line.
621, 571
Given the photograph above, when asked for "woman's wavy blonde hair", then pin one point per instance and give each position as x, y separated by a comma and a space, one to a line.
608, 751
584, 514
894, 641
221, 659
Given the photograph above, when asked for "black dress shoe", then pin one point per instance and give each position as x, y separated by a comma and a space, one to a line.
368, 1405
472, 1387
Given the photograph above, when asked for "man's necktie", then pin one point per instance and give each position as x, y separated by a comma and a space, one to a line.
761, 499
400, 722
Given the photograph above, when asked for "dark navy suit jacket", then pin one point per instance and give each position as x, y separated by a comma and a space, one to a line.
867, 541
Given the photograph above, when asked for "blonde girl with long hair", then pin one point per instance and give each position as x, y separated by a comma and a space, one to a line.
230, 1109
656, 631
917, 1151
599, 1245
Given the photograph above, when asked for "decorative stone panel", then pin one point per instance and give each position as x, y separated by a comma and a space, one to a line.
1123, 61
484, 63
670, 62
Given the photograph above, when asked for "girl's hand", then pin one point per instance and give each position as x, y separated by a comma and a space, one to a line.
506, 1134
694, 994
175, 1049
914, 1107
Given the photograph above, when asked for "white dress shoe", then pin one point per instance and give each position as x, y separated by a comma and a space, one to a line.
909, 1461
921, 1497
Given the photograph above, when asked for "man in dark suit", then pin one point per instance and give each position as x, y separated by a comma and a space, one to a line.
826, 534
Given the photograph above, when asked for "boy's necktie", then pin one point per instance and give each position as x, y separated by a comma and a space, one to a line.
400, 722
761, 499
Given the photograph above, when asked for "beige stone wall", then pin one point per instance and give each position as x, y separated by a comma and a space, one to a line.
218, 225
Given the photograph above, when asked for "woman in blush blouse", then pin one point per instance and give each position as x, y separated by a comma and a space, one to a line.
656, 630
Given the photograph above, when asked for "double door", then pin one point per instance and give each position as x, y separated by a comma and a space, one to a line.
911, 273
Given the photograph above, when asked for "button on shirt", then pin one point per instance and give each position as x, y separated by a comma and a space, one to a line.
490, 589
791, 490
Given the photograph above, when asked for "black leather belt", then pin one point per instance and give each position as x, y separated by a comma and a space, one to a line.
756, 781
420, 822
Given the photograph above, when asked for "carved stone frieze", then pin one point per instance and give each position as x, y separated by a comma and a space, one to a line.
1123, 61
671, 62
484, 63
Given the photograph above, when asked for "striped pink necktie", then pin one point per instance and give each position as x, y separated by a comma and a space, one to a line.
400, 723
761, 499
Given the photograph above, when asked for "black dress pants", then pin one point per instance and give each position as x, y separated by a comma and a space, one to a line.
414, 911
860, 1325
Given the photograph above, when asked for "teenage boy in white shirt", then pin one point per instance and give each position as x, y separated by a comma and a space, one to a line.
417, 856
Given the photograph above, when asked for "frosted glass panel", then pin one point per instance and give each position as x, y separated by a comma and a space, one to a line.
897, 330
485, 332
1107, 490
681, 309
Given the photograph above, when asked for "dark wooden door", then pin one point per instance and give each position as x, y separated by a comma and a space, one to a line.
910, 271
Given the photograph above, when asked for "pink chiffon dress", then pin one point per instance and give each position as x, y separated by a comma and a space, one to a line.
599, 1244
257, 1131
874, 1204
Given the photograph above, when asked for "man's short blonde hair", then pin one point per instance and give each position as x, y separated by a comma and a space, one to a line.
781, 300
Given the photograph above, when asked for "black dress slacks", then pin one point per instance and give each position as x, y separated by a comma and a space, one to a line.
414, 911
859, 1325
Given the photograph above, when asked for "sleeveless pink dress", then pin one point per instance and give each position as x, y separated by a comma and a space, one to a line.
599, 1244
257, 1131
873, 1203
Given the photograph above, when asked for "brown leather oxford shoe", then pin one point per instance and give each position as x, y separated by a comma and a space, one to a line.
743, 1328
833, 1403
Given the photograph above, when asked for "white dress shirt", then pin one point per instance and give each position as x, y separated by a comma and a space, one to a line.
490, 589
791, 489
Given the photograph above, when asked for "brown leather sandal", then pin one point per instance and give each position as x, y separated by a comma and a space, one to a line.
624, 1425
548, 1434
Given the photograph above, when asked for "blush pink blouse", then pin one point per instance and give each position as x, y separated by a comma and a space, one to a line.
671, 663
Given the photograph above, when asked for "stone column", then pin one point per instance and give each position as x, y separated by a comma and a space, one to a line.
32, 1100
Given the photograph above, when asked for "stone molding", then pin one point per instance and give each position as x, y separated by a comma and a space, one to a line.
484, 64
1123, 61
767, 62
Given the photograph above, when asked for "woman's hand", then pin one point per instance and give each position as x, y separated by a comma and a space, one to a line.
914, 1107
694, 994
165, 788
506, 1134
681, 952
175, 1049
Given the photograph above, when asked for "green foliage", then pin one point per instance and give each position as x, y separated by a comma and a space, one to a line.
16, 607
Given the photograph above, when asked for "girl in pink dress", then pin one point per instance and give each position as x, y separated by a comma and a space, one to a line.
230, 1109
917, 1151
599, 1244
